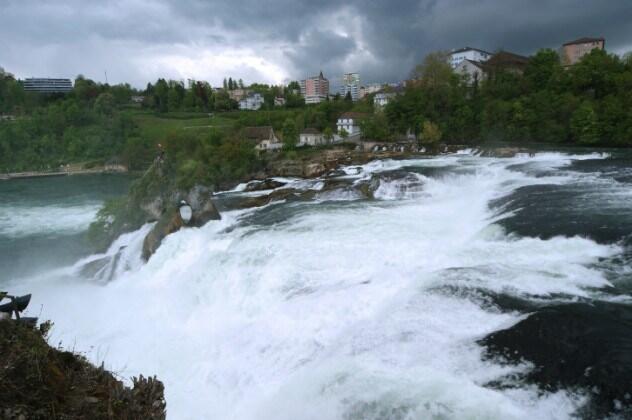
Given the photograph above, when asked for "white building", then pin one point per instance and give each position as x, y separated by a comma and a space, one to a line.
456, 57
350, 122
265, 138
350, 85
370, 89
472, 70
279, 101
251, 102
312, 137
381, 99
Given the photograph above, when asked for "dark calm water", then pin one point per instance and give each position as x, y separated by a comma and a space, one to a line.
450, 287
43, 221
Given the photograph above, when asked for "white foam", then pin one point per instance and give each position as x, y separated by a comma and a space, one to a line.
331, 314
19, 221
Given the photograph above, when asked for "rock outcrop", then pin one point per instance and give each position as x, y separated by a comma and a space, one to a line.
199, 198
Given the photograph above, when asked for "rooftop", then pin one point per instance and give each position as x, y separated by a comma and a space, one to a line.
258, 133
353, 115
310, 131
465, 49
585, 40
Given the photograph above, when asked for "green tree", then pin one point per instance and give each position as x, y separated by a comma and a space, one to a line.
290, 134
434, 71
430, 133
105, 104
584, 124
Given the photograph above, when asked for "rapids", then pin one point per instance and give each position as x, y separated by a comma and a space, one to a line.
345, 307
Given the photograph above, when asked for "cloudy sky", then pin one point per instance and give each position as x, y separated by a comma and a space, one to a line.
278, 40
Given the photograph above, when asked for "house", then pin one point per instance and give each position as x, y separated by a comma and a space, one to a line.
381, 99
312, 137
456, 57
265, 138
473, 71
369, 89
251, 102
279, 101
506, 61
350, 122
137, 99
238, 94
573, 51
315, 89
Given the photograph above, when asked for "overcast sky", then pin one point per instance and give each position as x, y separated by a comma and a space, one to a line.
273, 41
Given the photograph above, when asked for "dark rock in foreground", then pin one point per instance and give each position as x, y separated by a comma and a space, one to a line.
579, 346
41, 382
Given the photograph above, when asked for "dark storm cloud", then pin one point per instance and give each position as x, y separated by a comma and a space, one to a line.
138, 40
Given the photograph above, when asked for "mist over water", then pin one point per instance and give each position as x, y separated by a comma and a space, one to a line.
43, 221
343, 307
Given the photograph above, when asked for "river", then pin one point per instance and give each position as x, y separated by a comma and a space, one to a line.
338, 306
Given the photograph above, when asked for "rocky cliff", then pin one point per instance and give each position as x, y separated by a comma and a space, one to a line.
38, 381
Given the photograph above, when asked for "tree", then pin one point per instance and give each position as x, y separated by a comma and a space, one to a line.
584, 124
328, 133
430, 133
290, 134
343, 134
434, 71
105, 104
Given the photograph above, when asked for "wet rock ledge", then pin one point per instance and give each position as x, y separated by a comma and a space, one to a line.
38, 381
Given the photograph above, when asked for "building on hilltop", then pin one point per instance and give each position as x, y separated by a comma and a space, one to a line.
315, 89
252, 102
264, 137
350, 122
350, 86
369, 90
45, 85
505, 61
472, 71
381, 99
456, 57
311, 137
573, 51
238, 94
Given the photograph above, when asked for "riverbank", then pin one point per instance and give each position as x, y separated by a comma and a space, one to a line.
42, 382
107, 169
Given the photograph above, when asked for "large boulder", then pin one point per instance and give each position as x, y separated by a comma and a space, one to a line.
169, 223
203, 211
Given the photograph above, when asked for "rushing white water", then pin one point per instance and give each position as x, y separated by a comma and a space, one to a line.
18, 221
343, 310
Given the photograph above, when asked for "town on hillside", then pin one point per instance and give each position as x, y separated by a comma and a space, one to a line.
309, 113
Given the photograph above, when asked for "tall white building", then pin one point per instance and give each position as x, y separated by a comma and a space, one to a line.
456, 57
350, 84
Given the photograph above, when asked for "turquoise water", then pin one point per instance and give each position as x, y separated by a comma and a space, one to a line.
43, 221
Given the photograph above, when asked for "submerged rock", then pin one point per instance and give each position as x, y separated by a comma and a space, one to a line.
266, 184
577, 346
